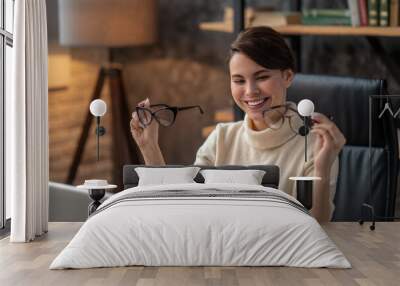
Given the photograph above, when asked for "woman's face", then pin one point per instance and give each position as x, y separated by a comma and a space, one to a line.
256, 88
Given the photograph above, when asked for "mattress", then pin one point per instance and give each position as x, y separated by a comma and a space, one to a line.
201, 225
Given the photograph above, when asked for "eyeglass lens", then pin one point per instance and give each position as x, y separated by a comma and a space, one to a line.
144, 116
165, 116
274, 118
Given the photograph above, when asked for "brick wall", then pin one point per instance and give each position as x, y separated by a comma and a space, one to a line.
68, 107
173, 81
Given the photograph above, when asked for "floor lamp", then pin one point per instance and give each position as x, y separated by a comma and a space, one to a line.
111, 24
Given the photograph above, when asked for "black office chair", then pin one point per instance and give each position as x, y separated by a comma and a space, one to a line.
347, 100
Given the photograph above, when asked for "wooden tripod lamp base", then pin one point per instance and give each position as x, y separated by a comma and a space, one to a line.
124, 149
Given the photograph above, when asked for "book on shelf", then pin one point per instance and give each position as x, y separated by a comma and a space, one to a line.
354, 12
327, 12
394, 13
275, 19
373, 16
340, 17
326, 21
248, 15
383, 13
363, 12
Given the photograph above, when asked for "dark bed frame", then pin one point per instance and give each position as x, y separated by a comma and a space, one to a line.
270, 179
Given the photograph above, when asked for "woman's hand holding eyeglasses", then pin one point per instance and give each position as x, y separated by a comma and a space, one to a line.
147, 137
144, 136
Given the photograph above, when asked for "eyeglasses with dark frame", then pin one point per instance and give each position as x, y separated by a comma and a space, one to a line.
275, 117
164, 114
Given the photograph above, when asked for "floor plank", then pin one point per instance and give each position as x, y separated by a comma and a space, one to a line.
375, 257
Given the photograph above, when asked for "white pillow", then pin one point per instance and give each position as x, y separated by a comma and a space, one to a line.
162, 176
248, 177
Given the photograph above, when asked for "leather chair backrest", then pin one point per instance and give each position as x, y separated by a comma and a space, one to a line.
347, 100
354, 162
344, 98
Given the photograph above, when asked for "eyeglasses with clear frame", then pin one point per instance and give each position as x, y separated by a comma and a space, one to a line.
164, 114
276, 115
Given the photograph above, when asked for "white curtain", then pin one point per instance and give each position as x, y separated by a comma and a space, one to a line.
27, 124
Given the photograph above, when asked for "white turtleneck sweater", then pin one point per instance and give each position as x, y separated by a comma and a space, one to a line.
237, 143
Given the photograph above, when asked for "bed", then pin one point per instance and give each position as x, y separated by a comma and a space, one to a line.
201, 224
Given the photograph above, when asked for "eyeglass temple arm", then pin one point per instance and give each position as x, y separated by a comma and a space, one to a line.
191, 107
293, 109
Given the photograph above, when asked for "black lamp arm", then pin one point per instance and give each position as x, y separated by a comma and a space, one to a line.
100, 131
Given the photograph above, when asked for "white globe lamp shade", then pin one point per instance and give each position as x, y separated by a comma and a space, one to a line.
305, 107
98, 107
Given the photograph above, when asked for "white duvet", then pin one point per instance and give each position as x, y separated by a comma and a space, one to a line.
185, 231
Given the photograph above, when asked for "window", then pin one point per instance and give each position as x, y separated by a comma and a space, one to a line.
6, 44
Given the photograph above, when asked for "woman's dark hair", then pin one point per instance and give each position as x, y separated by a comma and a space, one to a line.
265, 46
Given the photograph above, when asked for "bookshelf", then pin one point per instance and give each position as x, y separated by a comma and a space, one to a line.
217, 27
372, 34
339, 31
314, 30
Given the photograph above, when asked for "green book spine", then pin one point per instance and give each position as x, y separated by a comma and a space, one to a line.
326, 12
384, 11
373, 7
320, 20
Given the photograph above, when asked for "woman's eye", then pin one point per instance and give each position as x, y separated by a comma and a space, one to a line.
264, 77
238, 81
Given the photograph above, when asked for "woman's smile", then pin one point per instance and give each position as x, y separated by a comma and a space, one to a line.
257, 104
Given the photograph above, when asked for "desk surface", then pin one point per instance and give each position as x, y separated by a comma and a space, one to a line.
374, 255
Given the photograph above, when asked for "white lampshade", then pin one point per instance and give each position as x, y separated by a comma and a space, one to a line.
107, 23
305, 107
98, 107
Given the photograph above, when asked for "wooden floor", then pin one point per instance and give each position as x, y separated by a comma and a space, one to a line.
375, 256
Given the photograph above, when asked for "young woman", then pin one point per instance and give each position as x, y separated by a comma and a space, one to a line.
261, 68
